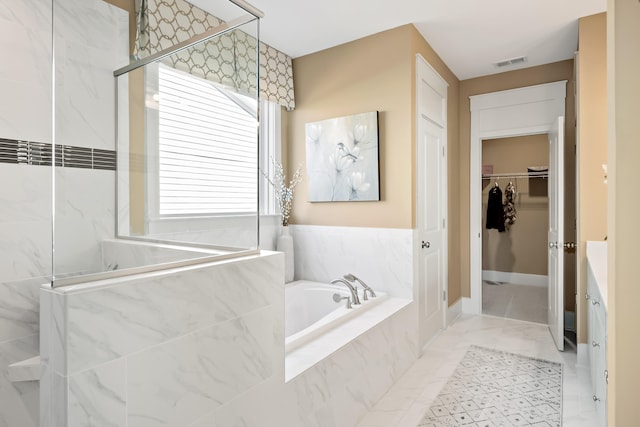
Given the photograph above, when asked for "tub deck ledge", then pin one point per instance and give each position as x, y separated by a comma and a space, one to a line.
302, 358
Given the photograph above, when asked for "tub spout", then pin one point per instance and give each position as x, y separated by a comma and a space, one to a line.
352, 289
350, 277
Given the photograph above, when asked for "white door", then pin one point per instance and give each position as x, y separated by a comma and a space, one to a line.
431, 200
555, 317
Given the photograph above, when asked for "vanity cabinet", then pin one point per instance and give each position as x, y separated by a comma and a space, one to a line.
597, 318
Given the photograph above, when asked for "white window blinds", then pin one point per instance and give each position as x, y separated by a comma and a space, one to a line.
208, 147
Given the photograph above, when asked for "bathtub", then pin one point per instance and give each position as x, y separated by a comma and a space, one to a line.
310, 310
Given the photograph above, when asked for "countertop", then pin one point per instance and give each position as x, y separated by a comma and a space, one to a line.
597, 261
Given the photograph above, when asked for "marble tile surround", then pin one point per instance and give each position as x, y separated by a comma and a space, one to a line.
85, 212
88, 50
165, 348
381, 257
342, 388
25, 75
25, 212
122, 254
25, 222
239, 231
201, 345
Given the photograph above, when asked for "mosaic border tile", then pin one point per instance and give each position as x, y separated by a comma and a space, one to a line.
40, 154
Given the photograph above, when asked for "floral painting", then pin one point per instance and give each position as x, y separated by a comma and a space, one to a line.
342, 158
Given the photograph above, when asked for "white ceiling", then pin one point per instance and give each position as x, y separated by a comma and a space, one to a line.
469, 35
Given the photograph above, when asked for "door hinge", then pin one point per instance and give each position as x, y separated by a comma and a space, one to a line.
443, 223
443, 155
444, 295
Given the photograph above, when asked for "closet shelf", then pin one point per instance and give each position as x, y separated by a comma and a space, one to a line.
516, 175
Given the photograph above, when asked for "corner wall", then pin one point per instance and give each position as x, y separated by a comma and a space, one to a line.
623, 91
591, 68
373, 73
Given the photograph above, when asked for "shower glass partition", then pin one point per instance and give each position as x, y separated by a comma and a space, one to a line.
161, 172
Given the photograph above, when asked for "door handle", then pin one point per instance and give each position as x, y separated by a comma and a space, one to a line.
426, 244
553, 245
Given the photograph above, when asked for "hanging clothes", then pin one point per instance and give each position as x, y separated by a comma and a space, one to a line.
509, 206
495, 212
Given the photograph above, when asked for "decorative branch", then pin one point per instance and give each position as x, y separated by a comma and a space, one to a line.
284, 193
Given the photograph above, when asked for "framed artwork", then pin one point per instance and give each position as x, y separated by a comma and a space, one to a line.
342, 159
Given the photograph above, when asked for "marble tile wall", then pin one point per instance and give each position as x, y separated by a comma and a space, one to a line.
85, 215
25, 75
381, 257
25, 218
121, 253
341, 389
91, 42
163, 348
238, 231
25, 213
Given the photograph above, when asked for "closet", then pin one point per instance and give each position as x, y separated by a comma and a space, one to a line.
515, 221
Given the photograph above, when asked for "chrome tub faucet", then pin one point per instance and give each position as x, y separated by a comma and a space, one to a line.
351, 278
354, 291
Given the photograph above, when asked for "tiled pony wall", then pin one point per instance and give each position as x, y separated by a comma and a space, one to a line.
88, 52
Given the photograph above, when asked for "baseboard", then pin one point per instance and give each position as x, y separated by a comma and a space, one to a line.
468, 307
454, 311
515, 278
583, 355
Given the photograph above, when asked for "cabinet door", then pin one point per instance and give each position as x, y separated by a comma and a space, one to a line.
598, 373
591, 336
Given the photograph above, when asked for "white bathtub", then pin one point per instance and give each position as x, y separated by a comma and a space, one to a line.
309, 310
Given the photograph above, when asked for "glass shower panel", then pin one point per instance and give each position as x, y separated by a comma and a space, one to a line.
188, 135
163, 169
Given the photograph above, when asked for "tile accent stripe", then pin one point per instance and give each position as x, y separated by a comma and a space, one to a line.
40, 154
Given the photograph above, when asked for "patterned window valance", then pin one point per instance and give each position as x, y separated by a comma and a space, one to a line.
228, 59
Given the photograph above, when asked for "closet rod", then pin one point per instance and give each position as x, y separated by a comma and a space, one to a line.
516, 175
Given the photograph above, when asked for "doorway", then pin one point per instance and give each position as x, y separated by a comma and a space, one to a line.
528, 110
514, 236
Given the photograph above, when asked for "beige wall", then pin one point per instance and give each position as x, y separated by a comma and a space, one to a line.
522, 248
453, 155
623, 348
373, 73
591, 69
557, 71
370, 74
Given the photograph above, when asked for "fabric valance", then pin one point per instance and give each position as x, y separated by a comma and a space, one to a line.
228, 59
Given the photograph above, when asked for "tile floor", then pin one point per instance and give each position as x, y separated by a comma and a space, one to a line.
522, 302
409, 399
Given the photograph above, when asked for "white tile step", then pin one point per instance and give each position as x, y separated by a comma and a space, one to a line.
25, 370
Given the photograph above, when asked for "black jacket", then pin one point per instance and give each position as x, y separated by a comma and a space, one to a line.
495, 213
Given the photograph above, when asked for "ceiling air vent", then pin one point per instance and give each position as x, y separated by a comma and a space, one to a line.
509, 62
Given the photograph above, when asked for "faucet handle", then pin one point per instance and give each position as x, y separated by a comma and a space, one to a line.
337, 298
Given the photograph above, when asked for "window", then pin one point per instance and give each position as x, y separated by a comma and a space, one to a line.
208, 151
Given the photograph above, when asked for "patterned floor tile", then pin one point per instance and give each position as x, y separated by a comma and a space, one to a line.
493, 388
